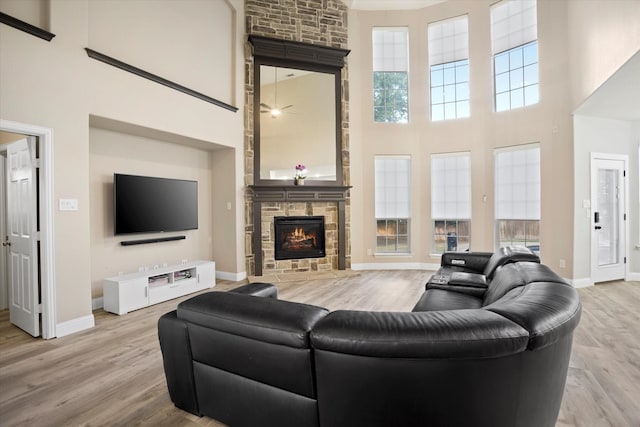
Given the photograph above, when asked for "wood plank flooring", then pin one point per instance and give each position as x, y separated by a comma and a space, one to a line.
112, 374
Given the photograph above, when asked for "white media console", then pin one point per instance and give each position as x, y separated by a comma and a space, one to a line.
129, 292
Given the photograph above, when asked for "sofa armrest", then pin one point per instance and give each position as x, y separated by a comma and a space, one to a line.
473, 280
474, 284
176, 358
257, 289
466, 261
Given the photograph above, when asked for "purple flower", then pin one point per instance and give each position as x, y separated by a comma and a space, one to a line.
301, 167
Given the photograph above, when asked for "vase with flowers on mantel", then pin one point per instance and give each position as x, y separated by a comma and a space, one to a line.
301, 174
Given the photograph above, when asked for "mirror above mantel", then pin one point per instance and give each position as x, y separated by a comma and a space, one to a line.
297, 124
297, 112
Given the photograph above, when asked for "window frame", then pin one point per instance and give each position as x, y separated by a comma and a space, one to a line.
516, 71
392, 87
516, 219
449, 76
381, 202
461, 205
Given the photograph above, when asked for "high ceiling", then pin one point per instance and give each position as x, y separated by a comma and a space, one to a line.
390, 4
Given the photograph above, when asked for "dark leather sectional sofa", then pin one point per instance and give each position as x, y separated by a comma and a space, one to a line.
487, 344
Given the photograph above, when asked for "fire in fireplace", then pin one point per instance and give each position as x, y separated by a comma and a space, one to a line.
299, 237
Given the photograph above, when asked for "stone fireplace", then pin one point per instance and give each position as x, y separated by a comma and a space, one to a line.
297, 237
293, 203
318, 25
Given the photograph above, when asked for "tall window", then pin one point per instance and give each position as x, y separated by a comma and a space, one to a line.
390, 74
393, 203
451, 202
514, 44
449, 68
517, 189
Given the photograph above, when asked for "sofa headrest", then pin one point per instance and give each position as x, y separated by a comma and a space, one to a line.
265, 319
452, 334
548, 310
508, 254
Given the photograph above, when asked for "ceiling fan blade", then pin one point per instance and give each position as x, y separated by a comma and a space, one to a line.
265, 111
288, 106
262, 104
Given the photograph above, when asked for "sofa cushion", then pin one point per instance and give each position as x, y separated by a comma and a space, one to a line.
440, 299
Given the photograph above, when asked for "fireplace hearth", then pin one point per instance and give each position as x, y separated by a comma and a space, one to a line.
299, 237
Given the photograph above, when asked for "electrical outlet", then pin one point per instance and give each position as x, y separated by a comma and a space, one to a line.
369, 252
563, 263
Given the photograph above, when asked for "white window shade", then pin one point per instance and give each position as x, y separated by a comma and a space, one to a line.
517, 183
513, 23
451, 186
393, 187
390, 49
448, 40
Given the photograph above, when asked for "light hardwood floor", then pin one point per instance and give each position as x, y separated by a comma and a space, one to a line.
112, 374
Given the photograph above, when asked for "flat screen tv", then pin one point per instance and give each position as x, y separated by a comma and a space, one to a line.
144, 204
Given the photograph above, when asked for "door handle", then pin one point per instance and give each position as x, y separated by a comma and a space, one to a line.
597, 227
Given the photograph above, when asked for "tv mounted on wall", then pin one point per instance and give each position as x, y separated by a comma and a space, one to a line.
144, 204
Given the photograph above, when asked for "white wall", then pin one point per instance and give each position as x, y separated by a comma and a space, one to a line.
599, 135
603, 35
56, 85
172, 38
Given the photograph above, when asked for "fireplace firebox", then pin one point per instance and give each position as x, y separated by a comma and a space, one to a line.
299, 237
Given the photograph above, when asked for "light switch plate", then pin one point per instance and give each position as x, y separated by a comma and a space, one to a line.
68, 204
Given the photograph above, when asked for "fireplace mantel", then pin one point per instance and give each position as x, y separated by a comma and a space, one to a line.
297, 193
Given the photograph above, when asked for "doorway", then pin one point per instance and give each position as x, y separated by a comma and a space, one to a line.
609, 231
45, 201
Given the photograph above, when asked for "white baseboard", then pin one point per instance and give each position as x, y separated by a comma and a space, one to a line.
580, 283
586, 281
97, 303
635, 277
75, 325
395, 266
234, 277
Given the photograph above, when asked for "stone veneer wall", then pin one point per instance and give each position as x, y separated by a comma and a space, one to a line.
322, 22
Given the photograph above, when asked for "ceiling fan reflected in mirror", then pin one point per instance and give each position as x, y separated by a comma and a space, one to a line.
275, 111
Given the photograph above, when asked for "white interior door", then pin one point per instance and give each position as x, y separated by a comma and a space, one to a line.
608, 216
4, 293
21, 238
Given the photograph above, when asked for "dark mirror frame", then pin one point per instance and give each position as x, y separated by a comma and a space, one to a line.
304, 56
